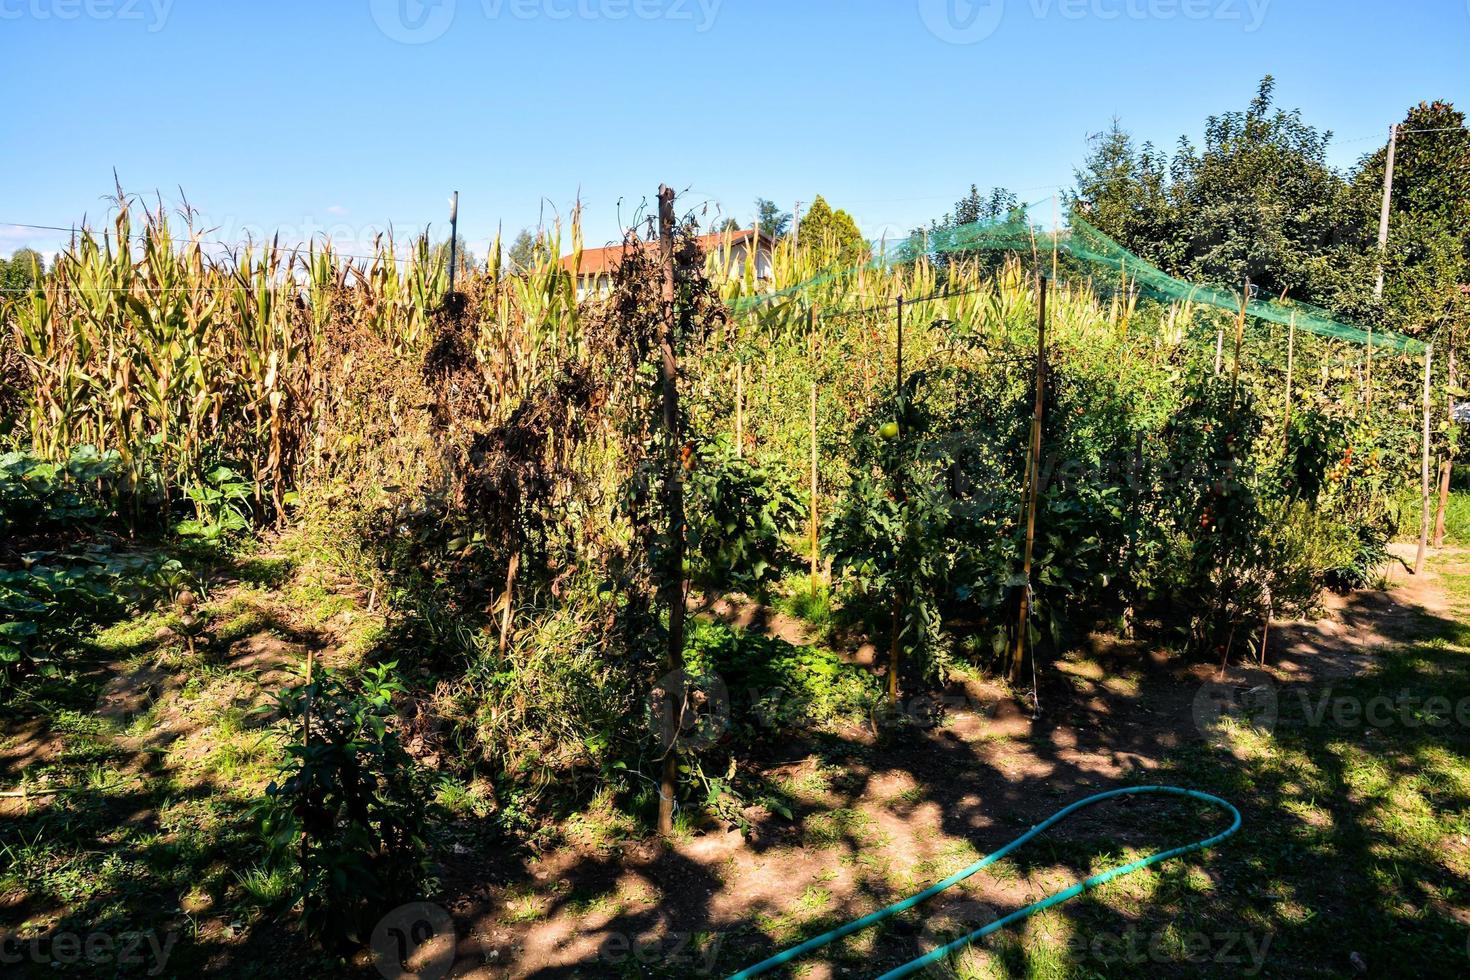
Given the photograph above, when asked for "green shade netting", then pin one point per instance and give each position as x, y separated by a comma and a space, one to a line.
1093, 250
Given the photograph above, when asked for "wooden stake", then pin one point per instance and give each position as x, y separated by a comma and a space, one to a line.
673, 488
895, 636
739, 408
1055, 231
898, 354
1290, 363
1368, 372
508, 600
1245, 299
1447, 466
1219, 349
306, 744
812, 337
1033, 469
1424, 472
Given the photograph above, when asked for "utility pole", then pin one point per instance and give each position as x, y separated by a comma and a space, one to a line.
1393, 139
453, 236
796, 227
674, 491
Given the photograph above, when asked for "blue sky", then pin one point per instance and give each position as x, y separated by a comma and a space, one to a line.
348, 115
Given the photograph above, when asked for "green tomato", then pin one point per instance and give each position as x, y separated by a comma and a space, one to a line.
889, 430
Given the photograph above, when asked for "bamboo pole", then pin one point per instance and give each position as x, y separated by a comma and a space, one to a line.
306, 746
1290, 364
1245, 299
1055, 232
674, 490
1424, 472
1033, 468
812, 341
508, 601
1368, 372
739, 408
895, 635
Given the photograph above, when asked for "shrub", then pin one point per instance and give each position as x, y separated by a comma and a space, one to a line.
348, 805
738, 516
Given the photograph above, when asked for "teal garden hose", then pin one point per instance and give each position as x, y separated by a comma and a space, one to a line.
915, 965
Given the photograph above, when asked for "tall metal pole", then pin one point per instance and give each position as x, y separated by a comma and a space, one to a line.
1393, 139
453, 236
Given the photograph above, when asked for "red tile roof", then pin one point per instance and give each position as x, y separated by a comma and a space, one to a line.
603, 261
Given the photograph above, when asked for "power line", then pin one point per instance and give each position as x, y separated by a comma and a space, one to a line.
231, 246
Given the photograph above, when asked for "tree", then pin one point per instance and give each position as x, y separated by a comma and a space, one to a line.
1260, 202
1123, 192
1257, 201
832, 236
771, 219
944, 240
1428, 253
464, 259
524, 251
23, 270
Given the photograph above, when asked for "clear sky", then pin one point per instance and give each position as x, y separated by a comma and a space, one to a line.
307, 115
